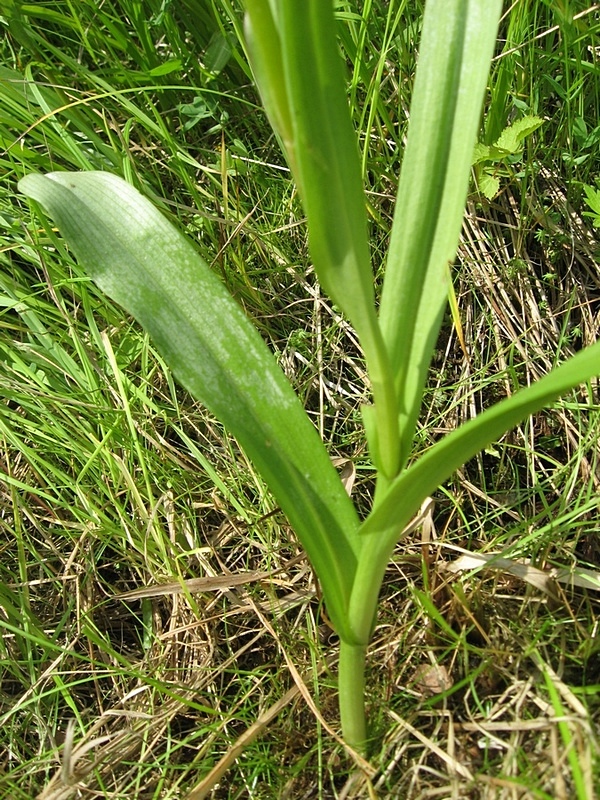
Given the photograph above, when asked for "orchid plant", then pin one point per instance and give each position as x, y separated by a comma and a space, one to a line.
141, 261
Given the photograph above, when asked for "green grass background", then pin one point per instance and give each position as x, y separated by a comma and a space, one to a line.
112, 479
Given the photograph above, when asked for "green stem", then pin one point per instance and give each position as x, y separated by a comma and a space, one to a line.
383, 434
351, 682
375, 555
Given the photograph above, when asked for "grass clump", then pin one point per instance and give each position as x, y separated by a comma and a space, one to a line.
113, 480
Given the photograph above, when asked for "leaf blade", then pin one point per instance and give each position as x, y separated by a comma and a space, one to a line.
295, 40
442, 459
456, 48
141, 261
384, 526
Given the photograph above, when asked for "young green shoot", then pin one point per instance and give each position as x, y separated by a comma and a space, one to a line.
144, 264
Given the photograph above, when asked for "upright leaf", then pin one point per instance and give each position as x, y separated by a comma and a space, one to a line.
264, 45
322, 150
456, 47
327, 156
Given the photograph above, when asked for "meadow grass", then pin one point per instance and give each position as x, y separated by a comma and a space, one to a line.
113, 480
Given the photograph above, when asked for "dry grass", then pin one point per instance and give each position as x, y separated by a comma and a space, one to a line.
221, 681
483, 723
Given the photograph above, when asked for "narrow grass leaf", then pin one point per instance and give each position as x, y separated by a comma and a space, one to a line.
582, 788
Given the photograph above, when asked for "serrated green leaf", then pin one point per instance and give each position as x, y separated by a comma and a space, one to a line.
511, 138
592, 198
488, 153
488, 184
481, 153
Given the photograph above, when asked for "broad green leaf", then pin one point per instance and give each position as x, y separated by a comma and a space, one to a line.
510, 141
488, 184
327, 155
140, 260
456, 47
296, 40
481, 153
218, 52
488, 152
592, 199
